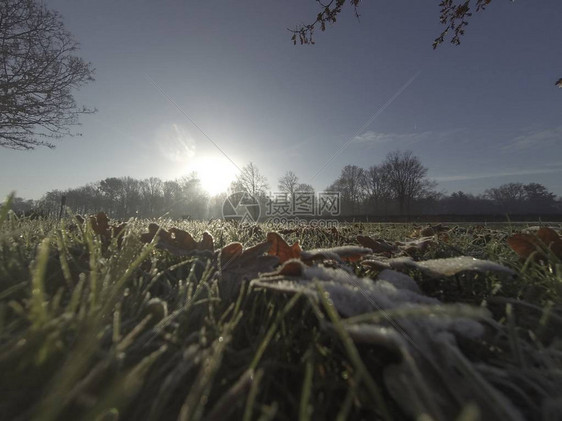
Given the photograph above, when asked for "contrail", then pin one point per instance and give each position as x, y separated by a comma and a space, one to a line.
368, 122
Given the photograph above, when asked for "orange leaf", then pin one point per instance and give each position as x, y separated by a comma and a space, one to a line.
182, 239
523, 244
544, 239
292, 268
552, 240
281, 249
207, 243
548, 236
229, 253
177, 241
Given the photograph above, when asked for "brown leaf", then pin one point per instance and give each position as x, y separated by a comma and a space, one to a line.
375, 264
281, 249
544, 239
523, 244
430, 230
416, 246
378, 246
229, 253
252, 253
291, 268
207, 243
182, 239
548, 236
178, 242
436, 268
346, 253
147, 237
100, 226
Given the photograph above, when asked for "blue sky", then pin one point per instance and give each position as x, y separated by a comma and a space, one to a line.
477, 115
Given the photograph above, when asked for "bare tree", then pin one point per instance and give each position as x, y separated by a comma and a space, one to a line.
304, 188
406, 177
250, 180
38, 71
151, 190
521, 198
377, 188
351, 186
288, 183
195, 199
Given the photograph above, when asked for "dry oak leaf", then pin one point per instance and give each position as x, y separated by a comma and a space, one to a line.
281, 249
178, 242
377, 246
430, 230
238, 266
544, 239
414, 246
342, 253
101, 226
233, 255
437, 268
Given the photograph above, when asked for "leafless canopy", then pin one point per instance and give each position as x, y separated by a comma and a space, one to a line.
250, 180
454, 16
38, 70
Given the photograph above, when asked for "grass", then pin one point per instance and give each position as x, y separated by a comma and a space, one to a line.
90, 330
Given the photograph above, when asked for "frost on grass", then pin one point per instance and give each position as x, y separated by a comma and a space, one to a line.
390, 312
438, 268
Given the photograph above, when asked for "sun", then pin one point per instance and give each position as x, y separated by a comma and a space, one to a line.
215, 173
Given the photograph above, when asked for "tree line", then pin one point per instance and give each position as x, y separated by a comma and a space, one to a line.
397, 186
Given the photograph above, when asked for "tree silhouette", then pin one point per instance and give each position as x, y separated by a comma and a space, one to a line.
250, 180
38, 71
454, 15
406, 178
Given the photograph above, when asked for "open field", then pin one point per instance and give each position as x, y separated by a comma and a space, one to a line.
140, 323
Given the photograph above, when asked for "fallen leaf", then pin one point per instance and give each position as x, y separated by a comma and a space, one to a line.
542, 240
345, 253
178, 242
101, 226
437, 268
182, 239
238, 266
415, 246
523, 244
453, 265
377, 246
207, 243
229, 253
399, 280
291, 268
430, 230
281, 249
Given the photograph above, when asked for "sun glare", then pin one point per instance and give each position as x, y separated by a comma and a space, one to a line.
215, 173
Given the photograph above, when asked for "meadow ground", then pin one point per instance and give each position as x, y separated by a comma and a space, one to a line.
103, 325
